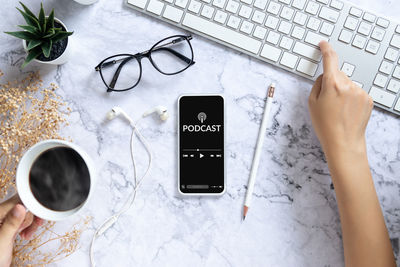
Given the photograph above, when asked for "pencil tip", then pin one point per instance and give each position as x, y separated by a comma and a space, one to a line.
245, 209
244, 217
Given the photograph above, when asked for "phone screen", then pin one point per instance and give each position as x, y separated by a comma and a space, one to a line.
201, 144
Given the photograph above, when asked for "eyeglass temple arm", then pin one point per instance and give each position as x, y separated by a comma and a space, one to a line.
118, 71
175, 53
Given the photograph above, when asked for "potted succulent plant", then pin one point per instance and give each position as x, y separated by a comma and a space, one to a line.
45, 38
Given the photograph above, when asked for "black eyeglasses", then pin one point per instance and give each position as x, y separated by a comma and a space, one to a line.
169, 56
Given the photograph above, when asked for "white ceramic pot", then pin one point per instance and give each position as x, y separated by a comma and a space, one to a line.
86, 2
64, 57
23, 185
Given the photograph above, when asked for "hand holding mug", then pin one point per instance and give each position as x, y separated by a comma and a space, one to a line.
14, 220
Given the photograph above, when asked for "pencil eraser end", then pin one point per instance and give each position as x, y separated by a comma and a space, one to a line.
272, 85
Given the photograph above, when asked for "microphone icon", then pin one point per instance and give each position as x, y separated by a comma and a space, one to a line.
202, 117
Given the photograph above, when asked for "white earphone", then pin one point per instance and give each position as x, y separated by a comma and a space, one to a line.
112, 114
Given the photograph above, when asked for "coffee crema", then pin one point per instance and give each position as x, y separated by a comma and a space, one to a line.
59, 179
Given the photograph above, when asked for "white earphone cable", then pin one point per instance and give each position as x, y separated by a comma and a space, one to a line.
129, 202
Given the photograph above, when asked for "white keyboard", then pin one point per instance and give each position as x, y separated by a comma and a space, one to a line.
286, 33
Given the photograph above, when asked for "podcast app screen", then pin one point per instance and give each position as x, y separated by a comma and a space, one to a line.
201, 139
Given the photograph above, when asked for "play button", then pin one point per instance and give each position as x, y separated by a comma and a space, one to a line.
201, 155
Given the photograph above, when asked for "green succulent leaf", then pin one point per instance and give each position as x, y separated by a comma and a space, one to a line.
27, 11
23, 35
49, 33
34, 53
29, 28
33, 44
42, 18
60, 35
50, 20
32, 21
46, 48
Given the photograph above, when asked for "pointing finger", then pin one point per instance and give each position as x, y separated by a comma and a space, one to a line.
329, 58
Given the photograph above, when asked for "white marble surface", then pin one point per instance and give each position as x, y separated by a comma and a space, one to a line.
294, 219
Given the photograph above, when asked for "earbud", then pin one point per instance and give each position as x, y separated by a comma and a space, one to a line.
117, 111
161, 111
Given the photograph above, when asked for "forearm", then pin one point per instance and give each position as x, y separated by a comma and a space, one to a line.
365, 238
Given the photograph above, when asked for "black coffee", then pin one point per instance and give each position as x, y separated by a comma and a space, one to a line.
59, 179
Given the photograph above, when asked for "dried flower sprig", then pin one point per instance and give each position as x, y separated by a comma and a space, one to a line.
29, 113
29, 253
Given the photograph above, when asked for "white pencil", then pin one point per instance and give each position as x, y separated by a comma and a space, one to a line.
257, 154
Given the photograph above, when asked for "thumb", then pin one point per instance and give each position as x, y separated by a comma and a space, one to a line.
12, 223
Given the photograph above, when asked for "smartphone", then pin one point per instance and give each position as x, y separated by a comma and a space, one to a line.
201, 145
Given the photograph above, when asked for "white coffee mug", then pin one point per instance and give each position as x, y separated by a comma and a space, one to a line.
24, 189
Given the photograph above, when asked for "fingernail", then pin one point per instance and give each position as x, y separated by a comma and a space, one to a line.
16, 212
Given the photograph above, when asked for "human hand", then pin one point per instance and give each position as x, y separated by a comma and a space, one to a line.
13, 220
339, 109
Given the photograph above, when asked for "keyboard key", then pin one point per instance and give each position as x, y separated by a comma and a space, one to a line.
313, 24
287, 13
298, 32
232, 6
233, 22
312, 8
351, 23
345, 36
220, 16
289, 60
183, 3
138, 3
207, 11
307, 51
155, 7
299, 4
391, 54
378, 34
395, 41
382, 97
286, 43
355, 12
329, 14
261, 4
220, 32
364, 28
300, 18
369, 17
358, 84
249, 2
372, 47
394, 86
314, 39
246, 27
380, 80
194, 6
285, 27
337, 4
396, 72
219, 3
274, 8
270, 52
326, 28
245, 11
359, 41
273, 37
348, 69
386, 67
382, 22
271, 22
325, 2
397, 107
307, 67
398, 29
173, 13
258, 17
260, 32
